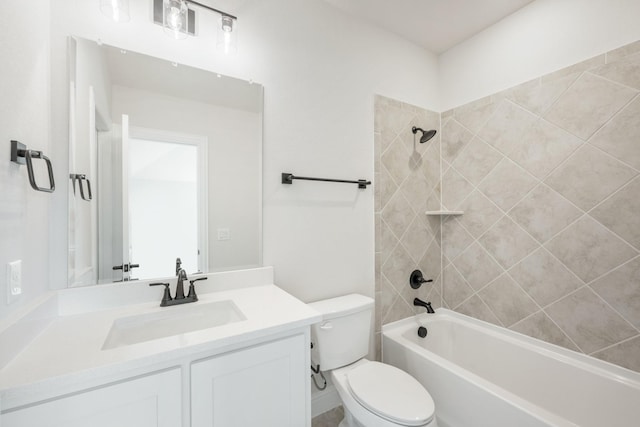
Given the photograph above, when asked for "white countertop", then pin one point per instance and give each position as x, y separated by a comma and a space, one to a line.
69, 349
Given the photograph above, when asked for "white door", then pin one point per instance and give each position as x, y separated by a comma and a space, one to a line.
167, 201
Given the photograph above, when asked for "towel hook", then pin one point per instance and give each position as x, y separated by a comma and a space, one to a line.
81, 177
22, 156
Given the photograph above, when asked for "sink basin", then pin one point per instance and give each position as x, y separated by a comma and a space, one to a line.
171, 321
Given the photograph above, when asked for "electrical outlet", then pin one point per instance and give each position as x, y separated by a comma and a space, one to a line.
224, 234
14, 281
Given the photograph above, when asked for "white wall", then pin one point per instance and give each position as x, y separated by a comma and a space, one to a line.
92, 70
545, 36
320, 70
24, 116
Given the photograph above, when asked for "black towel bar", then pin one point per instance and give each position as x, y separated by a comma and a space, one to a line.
287, 178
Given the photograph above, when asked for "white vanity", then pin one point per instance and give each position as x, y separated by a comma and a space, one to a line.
110, 356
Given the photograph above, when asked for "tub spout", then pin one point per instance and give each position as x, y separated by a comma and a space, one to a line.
418, 302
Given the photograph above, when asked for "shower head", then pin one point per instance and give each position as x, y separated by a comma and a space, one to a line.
426, 134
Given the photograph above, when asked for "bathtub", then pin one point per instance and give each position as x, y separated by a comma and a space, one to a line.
481, 375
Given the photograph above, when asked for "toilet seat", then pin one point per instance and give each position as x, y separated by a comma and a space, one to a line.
391, 394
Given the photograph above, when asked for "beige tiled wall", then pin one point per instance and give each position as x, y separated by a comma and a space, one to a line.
407, 183
548, 176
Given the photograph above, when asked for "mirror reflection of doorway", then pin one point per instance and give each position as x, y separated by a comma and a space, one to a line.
165, 201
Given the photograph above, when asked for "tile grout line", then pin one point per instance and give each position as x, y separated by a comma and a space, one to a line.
611, 81
609, 347
555, 102
608, 122
491, 311
637, 249
452, 265
580, 288
571, 340
605, 153
555, 324
384, 261
545, 110
614, 310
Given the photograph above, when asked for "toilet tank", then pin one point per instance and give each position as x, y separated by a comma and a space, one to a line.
342, 336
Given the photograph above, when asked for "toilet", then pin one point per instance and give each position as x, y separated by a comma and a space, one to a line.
373, 394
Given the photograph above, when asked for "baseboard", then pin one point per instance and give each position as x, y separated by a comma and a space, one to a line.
325, 400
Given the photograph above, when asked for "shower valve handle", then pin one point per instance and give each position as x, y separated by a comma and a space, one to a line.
417, 279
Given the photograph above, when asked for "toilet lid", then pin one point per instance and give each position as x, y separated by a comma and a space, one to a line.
391, 393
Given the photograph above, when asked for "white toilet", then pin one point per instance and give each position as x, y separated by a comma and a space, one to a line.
373, 394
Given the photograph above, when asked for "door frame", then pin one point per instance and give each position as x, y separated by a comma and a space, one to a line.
201, 143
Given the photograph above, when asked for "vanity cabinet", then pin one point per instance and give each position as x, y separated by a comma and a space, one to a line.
251, 372
149, 401
264, 385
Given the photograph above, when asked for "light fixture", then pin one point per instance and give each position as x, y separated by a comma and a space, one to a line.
174, 18
118, 10
227, 35
179, 22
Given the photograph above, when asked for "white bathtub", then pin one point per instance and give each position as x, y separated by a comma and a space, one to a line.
480, 375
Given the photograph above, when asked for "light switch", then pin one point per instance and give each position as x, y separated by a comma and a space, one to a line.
14, 281
224, 234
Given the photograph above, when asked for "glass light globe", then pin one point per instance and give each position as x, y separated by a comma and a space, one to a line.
175, 18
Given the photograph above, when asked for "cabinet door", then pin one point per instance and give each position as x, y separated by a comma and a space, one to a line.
151, 401
263, 386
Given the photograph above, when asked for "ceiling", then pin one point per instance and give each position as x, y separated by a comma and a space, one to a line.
436, 25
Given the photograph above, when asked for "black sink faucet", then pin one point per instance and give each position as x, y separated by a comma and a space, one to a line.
418, 302
182, 276
179, 297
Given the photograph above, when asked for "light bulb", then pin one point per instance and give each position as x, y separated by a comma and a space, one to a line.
175, 18
227, 42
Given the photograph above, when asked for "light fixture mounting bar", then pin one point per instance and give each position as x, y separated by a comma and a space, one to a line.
213, 9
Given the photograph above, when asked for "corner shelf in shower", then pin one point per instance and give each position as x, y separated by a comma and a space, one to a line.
443, 213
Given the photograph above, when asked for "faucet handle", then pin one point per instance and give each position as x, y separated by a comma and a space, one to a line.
417, 279
192, 288
167, 293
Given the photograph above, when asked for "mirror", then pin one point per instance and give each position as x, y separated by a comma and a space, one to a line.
165, 162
